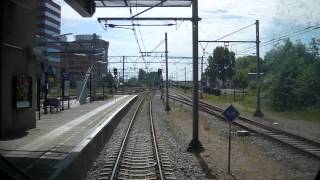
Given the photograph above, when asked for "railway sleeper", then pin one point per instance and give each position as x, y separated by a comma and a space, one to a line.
136, 167
138, 163
134, 176
138, 160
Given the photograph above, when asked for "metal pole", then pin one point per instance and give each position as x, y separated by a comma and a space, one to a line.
106, 59
46, 90
234, 92
258, 112
123, 75
167, 108
62, 93
38, 96
229, 148
195, 145
90, 86
93, 75
185, 79
103, 79
201, 89
69, 102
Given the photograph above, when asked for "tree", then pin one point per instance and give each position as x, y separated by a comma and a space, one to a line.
220, 65
244, 65
315, 46
109, 79
294, 72
141, 75
149, 78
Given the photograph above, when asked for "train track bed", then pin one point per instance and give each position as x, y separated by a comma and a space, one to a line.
298, 126
252, 157
296, 142
137, 154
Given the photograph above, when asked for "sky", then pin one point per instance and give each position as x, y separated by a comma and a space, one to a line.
218, 18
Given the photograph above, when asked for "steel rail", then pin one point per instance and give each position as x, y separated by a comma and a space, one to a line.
124, 142
273, 132
155, 143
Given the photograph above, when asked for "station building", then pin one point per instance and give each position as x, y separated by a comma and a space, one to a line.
29, 30
19, 70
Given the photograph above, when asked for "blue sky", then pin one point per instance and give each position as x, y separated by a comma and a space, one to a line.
277, 17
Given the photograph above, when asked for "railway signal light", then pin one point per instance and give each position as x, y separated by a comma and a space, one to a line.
115, 71
159, 72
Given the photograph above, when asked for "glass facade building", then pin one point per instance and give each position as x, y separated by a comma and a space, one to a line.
49, 22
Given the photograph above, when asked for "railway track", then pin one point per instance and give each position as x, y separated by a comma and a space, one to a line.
140, 154
290, 140
130, 90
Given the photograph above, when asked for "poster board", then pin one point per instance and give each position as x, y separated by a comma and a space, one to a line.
22, 96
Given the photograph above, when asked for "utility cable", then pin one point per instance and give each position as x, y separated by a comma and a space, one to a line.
292, 34
235, 32
136, 37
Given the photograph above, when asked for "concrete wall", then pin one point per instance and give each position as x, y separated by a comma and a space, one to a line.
18, 39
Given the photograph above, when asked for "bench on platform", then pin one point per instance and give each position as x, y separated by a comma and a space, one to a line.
54, 104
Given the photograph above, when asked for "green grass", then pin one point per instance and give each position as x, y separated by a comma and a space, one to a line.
247, 106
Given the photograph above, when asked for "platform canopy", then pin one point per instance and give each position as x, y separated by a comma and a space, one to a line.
142, 3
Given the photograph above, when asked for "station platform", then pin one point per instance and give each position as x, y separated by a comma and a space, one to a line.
63, 145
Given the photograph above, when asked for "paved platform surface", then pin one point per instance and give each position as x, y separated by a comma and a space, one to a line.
41, 151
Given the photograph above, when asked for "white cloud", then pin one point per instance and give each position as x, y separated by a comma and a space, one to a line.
219, 17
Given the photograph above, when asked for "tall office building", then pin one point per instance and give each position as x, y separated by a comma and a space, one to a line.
49, 19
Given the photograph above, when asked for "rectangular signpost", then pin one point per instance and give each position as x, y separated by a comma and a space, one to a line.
230, 114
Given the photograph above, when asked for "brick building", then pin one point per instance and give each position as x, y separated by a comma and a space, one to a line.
77, 56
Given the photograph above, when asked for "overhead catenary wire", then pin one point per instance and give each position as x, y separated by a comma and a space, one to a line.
144, 47
228, 35
136, 37
235, 32
280, 38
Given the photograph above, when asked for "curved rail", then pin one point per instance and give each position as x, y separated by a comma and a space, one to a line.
302, 144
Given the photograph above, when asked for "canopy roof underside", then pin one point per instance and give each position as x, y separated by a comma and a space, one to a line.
143, 3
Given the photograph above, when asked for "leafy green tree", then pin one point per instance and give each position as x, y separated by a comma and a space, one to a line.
244, 65
148, 78
294, 71
141, 75
284, 92
309, 85
109, 79
220, 65
315, 46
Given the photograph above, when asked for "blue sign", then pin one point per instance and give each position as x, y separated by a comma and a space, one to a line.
66, 76
231, 113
